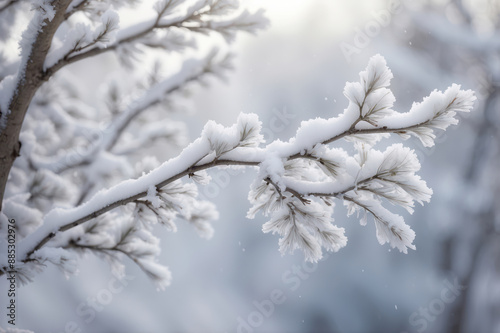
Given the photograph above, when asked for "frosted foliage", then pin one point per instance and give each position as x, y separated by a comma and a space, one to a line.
245, 133
296, 187
85, 35
105, 33
87, 186
59, 257
79, 155
300, 199
45, 8
113, 234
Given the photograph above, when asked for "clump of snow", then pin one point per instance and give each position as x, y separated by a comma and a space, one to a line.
8, 86
437, 111
377, 75
106, 32
153, 197
7, 89
83, 35
77, 36
45, 8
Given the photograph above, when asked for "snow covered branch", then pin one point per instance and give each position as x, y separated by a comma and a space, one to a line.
202, 17
75, 7
296, 186
16, 91
66, 155
192, 70
57, 37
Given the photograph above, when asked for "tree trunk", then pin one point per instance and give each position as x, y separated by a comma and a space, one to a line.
31, 76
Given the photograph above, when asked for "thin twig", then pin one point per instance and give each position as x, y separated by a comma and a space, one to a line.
125, 201
75, 9
208, 165
99, 50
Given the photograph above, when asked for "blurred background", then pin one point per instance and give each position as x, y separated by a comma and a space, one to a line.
293, 71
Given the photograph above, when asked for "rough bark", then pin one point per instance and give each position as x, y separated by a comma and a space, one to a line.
31, 79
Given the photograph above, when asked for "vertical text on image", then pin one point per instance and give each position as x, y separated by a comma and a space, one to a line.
11, 273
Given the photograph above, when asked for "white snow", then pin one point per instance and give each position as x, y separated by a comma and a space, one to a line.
59, 217
110, 21
190, 68
8, 86
63, 259
7, 90
438, 109
301, 205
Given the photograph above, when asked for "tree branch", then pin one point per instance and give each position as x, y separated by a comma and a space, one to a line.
137, 196
182, 22
190, 72
195, 168
29, 79
233, 148
76, 8
353, 131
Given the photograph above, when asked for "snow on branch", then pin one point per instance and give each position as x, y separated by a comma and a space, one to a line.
297, 185
74, 7
41, 27
192, 70
166, 30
